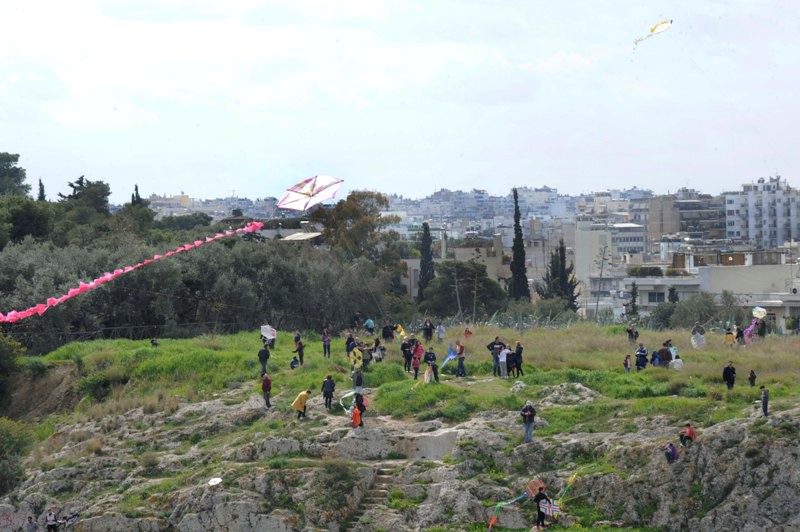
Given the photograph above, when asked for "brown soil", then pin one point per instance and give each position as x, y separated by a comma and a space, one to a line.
34, 398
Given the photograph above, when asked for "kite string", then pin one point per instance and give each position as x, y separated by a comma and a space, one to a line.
13, 316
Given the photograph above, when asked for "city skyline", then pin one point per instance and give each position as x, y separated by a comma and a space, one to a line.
403, 98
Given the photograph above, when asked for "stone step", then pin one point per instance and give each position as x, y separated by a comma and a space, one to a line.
377, 492
387, 472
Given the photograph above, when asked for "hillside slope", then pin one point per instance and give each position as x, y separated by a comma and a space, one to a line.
141, 458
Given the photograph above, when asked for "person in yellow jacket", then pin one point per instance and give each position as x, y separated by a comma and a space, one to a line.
299, 403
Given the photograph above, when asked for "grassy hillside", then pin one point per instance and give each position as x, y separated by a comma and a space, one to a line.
121, 374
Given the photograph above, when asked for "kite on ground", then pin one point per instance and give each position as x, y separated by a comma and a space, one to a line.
15, 316
309, 192
655, 30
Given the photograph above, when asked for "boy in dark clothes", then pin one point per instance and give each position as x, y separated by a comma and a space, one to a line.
541, 496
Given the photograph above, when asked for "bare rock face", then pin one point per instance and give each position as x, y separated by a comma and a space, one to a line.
149, 472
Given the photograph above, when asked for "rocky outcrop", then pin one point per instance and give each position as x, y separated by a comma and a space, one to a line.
149, 471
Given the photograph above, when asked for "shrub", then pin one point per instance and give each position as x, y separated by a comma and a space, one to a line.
15, 439
34, 368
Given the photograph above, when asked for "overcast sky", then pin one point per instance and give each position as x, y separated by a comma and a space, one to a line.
248, 97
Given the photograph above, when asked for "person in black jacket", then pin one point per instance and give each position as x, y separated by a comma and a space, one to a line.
541, 496
361, 408
405, 348
430, 360
328, 387
300, 350
263, 357
495, 347
729, 375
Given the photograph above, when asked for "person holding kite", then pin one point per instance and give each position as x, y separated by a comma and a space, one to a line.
430, 360
541, 496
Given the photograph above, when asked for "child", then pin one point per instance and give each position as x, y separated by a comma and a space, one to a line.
294, 363
671, 452
627, 363
752, 378
415, 363
687, 435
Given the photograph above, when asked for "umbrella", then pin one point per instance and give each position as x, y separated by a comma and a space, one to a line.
268, 332
309, 192
759, 312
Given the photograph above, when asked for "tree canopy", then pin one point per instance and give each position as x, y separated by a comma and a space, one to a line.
519, 275
12, 177
559, 281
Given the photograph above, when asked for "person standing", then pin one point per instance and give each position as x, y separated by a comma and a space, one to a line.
518, 358
387, 332
326, 343
494, 348
430, 360
358, 380
296, 338
528, 414
641, 357
627, 363
633, 334
299, 404
361, 407
51, 520
31, 526
541, 496
502, 358
417, 356
729, 375
263, 357
300, 350
266, 389
460, 355
764, 400
752, 378
405, 348
440, 332
427, 330
328, 387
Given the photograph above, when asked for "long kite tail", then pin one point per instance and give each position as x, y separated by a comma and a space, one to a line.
15, 316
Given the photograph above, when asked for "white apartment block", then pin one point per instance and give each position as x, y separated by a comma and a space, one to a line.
765, 214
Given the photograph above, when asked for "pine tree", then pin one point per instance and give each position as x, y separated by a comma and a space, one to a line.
426, 262
672, 295
41, 196
559, 280
519, 275
633, 306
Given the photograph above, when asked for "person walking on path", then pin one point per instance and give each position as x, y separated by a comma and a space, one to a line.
460, 371
729, 375
627, 363
328, 387
300, 350
326, 343
752, 378
299, 404
764, 400
541, 496
263, 357
687, 434
266, 389
528, 414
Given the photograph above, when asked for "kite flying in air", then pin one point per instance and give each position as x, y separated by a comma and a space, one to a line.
309, 192
655, 30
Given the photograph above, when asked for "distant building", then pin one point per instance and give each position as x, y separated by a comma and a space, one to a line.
765, 214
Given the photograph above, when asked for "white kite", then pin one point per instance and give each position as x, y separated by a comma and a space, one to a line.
309, 192
214, 481
268, 332
655, 30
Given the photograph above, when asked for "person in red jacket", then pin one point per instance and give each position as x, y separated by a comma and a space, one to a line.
687, 434
415, 359
266, 389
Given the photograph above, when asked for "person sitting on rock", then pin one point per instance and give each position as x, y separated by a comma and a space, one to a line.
671, 452
687, 434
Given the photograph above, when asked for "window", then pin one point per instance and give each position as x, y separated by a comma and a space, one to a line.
655, 297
